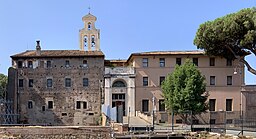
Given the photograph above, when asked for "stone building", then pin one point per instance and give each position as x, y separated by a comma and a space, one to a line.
59, 87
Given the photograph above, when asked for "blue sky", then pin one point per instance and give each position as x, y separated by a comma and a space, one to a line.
126, 26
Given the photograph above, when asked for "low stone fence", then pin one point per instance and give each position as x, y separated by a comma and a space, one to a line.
55, 132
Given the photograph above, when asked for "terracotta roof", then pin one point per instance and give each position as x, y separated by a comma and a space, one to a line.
170, 52
58, 53
192, 52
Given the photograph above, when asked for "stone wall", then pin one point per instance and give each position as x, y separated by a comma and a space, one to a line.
59, 132
64, 99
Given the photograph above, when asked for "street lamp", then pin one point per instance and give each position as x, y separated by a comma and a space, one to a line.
153, 112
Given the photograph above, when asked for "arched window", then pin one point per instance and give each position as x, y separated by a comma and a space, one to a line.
89, 26
93, 41
85, 41
118, 84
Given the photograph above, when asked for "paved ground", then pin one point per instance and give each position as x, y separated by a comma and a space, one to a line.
136, 122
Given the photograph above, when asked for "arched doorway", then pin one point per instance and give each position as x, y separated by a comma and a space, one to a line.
118, 98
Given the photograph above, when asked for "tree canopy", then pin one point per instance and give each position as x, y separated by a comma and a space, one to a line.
185, 90
232, 36
3, 84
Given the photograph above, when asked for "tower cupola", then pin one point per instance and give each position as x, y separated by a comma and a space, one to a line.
89, 35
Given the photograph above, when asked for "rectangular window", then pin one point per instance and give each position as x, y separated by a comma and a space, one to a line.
145, 81
67, 64
30, 64
49, 83
30, 82
212, 61
85, 82
229, 62
84, 105
30, 104
162, 78
67, 82
144, 105
78, 105
212, 121
212, 80
20, 64
195, 61
178, 121
229, 80
212, 103
48, 64
84, 63
161, 105
229, 121
145, 62
228, 104
21, 83
50, 104
178, 61
43, 108
162, 62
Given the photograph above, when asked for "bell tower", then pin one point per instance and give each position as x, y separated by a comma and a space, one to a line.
89, 35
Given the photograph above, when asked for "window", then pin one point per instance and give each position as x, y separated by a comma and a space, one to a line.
178, 121
118, 84
144, 105
212, 103
21, 83
229, 80
162, 78
85, 82
229, 121
162, 62
78, 105
49, 83
161, 105
84, 63
84, 105
212, 121
229, 62
93, 40
212, 80
30, 104
67, 82
64, 114
212, 61
67, 64
43, 108
145, 62
30, 82
50, 104
195, 61
85, 41
48, 64
30, 64
118, 96
228, 104
20, 64
89, 26
178, 61
145, 81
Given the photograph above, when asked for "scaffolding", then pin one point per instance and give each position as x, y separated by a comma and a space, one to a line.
7, 116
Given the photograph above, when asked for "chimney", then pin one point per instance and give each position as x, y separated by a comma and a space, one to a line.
38, 48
